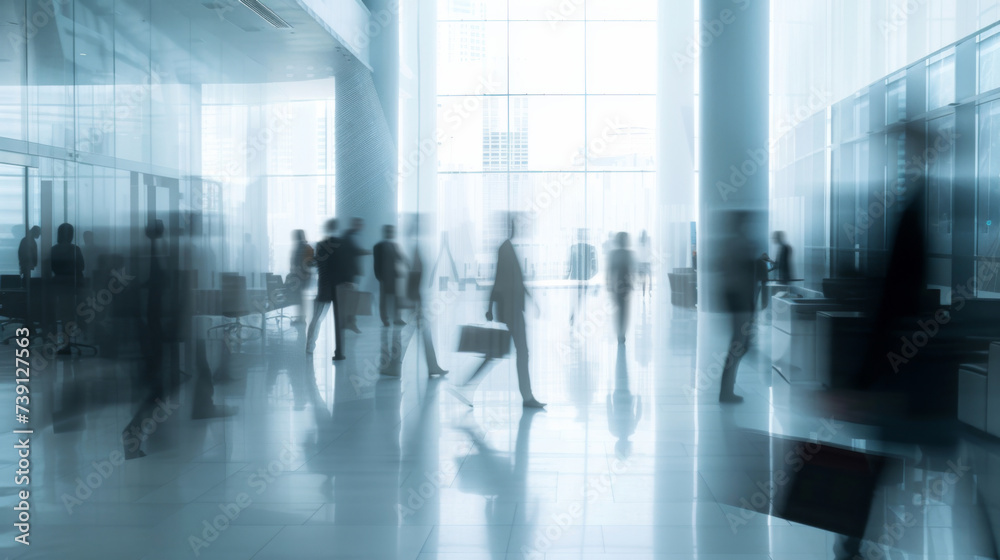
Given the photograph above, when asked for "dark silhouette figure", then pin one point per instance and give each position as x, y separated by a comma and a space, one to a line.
783, 264
67, 276
351, 258
149, 382
300, 273
332, 273
909, 398
895, 394
738, 277
27, 254
508, 295
621, 274
67, 258
582, 267
387, 260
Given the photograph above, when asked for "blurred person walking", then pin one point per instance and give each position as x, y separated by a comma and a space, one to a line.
329, 260
738, 273
415, 294
620, 276
387, 261
508, 296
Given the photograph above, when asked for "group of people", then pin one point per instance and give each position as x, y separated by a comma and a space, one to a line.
337, 262
336, 259
66, 262
66, 258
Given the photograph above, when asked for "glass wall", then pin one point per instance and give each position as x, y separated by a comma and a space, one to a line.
905, 88
130, 111
927, 134
547, 109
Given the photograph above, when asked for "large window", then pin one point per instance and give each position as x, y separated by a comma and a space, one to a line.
277, 154
546, 108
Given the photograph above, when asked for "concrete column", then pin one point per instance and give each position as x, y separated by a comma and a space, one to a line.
675, 137
367, 121
384, 58
733, 156
418, 108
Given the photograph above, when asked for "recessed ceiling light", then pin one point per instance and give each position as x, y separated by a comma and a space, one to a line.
83, 54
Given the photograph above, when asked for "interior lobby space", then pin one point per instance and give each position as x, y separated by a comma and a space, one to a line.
500, 279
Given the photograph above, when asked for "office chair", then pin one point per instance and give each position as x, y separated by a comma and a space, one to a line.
235, 305
69, 293
277, 298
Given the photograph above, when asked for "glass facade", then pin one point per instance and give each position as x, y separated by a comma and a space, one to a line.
546, 109
903, 88
114, 113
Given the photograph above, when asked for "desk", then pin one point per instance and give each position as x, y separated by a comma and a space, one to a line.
41, 307
793, 336
209, 303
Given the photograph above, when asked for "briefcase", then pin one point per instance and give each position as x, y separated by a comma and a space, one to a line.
353, 302
833, 490
812, 483
488, 341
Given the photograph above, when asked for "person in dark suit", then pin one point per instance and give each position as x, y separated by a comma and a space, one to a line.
67, 258
582, 267
387, 259
27, 254
149, 382
509, 295
783, 264
67, 275
329, 260
739, 278
351, 253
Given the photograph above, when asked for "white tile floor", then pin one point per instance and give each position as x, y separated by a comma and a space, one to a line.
633, 458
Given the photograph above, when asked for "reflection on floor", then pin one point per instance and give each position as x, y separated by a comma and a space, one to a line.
633, 458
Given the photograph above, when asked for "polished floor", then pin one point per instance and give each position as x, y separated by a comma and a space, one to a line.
634, 458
